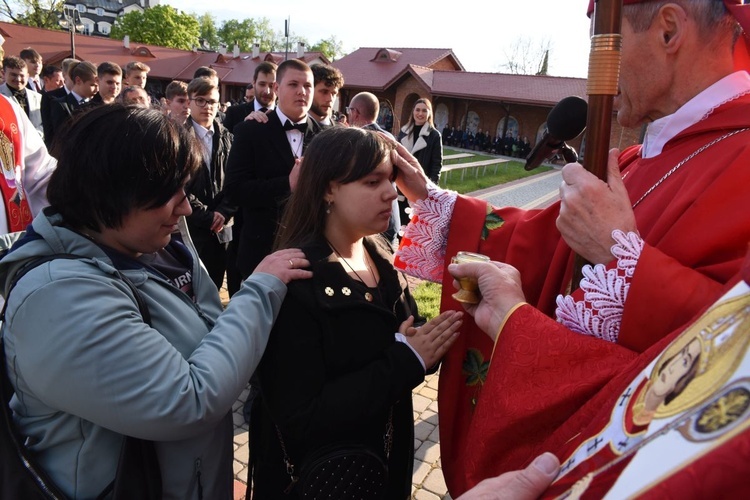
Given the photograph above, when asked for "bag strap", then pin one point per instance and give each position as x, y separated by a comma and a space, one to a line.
6, 388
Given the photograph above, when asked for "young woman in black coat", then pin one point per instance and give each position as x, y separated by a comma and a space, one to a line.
420, 137
344, 356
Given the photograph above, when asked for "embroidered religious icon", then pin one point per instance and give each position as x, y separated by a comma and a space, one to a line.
685, 404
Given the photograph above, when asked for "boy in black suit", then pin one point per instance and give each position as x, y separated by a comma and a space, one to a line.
264, 162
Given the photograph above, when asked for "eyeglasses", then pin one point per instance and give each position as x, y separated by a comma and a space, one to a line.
201, 102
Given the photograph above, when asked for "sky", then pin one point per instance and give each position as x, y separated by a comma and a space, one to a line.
480, 32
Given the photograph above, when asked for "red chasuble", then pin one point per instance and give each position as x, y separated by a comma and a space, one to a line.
11, 150
695, 226
694, 442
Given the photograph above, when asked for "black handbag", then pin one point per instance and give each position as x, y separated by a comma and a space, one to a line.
342, 471
138, 473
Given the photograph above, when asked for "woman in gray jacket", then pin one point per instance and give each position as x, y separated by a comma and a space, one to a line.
85, 367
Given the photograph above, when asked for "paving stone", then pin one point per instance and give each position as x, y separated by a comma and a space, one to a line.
429, 452
241, 438
435, 435
243, 454
429, 393
420, 403
433, 406
423, 430
430, 416
421, 470
435, 482
423, 494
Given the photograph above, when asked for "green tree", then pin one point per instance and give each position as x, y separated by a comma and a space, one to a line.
209, 33
38, 13
237, 32
161, 25
330, 47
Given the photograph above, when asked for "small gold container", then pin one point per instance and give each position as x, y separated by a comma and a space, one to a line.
468, 292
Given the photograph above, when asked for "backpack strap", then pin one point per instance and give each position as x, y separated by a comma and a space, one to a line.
134, 450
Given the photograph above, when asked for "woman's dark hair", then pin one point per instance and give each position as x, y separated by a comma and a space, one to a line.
338, 154
115, 159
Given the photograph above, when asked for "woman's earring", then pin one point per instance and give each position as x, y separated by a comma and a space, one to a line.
329, 204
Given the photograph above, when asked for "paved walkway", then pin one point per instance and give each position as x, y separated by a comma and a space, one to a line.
428, 483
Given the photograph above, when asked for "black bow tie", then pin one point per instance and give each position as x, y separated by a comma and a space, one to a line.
302, 127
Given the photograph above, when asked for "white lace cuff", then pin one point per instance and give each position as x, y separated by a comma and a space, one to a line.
604, 292
427, 235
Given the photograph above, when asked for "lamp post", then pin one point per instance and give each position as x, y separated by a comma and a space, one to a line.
71, 20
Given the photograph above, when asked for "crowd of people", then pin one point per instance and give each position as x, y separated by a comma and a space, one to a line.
115, 327
518, 147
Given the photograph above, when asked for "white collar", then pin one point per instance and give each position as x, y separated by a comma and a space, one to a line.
257, 105
284, 118
661, 131
201, 130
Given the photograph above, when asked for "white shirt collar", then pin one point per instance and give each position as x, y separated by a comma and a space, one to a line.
661, 131
202, 131
257, 105
78, 98
284, 118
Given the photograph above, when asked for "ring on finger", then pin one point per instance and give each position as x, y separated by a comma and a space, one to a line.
291, 263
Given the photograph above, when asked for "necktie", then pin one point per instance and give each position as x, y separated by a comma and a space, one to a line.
302, 127
263, 109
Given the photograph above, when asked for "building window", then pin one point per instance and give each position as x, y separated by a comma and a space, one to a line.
81, 8
99, 11
104, 28
512, 127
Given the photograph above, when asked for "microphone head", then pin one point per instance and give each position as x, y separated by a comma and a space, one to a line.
567, 119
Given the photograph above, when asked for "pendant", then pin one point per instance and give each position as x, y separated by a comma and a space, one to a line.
368, 297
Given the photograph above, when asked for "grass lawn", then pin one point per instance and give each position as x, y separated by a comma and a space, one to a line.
427, 295
506, 172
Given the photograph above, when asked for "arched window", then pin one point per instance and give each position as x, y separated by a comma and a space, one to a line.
441, 116
472, 122
512, 127
385, 116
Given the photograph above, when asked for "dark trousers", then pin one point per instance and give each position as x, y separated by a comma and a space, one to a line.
212, 253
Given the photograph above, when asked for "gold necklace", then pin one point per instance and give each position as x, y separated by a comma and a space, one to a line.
367, 265
685, 160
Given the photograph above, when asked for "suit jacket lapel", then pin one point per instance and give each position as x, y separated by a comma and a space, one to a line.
278, 139
313, 127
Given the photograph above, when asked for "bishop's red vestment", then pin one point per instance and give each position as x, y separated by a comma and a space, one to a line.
694, 224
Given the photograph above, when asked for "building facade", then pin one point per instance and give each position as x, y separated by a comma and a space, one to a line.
495, 104
98, 16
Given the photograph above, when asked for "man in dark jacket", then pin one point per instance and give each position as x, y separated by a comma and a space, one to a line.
262, 168
210, 222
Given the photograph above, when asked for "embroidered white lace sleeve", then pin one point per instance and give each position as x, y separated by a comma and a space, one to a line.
604, 292
428, 232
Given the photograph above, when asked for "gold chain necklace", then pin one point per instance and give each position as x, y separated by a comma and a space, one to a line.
367, 265
687, 159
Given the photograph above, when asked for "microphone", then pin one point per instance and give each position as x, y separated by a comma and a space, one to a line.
566, 121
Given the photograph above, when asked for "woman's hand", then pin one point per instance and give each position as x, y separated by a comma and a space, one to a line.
287, 265
407, 327
411, 179
500, 287
433, 339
